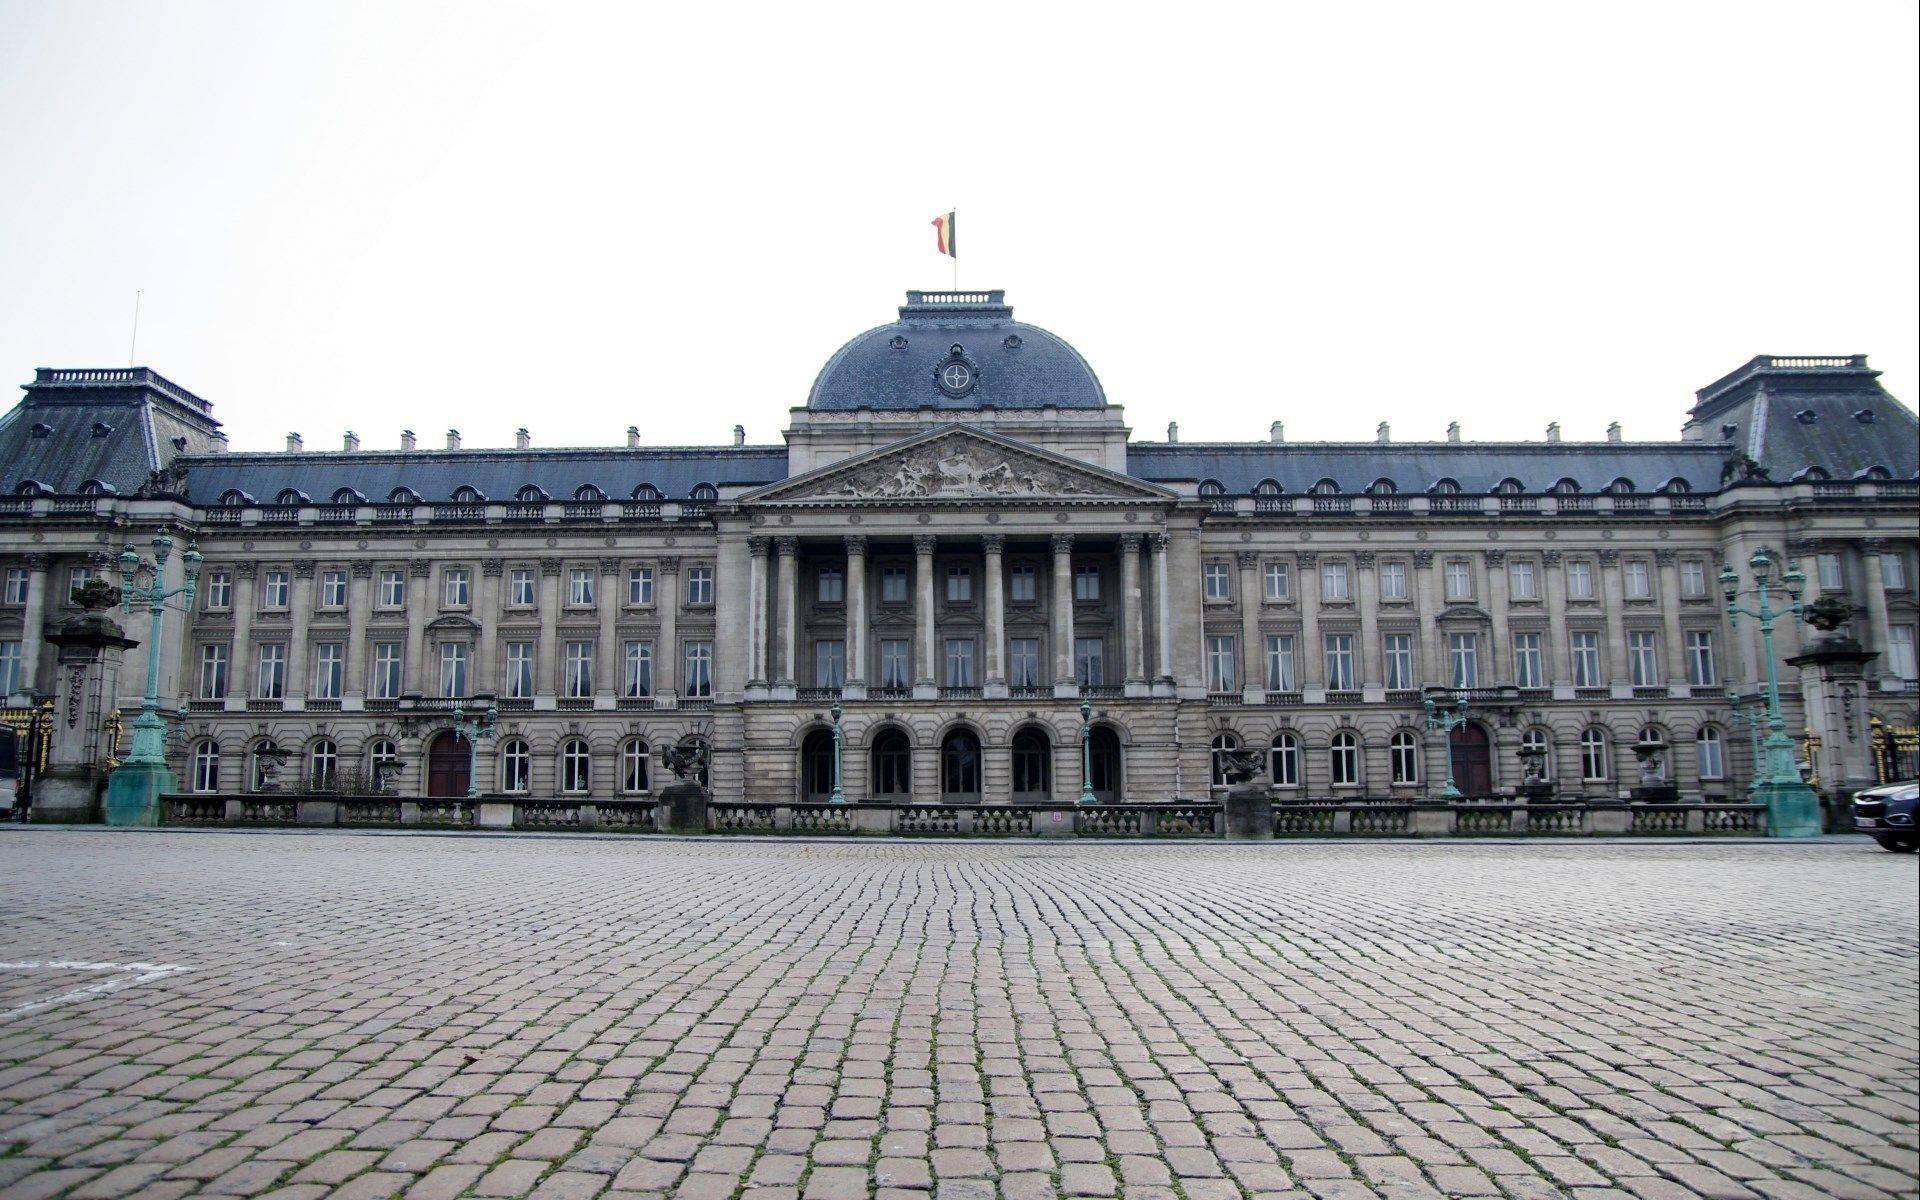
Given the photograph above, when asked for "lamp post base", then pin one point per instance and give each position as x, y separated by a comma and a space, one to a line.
1793, 811
133, 793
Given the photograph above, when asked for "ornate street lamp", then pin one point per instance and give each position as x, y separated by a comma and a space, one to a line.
473, 730
134, 788
1755, 719
1086, 753
1446, 720
838, 796
1792, 808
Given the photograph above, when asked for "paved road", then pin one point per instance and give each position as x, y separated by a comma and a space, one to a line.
363, 1016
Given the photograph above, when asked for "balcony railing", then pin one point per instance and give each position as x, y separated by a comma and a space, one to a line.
459, 512
641, 510
812, 694
526, 512
584, 512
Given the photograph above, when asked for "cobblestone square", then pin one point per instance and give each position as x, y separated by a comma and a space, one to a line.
345, 1015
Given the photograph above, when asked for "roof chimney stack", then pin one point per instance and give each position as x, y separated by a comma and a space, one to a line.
1613, 432
217, 442
294, 444
739, 435
350, 442
453, 439
1277, 432
633, 437
406, 439
1453, 431
1382, 433
522, 440
1173, 431
1553, 431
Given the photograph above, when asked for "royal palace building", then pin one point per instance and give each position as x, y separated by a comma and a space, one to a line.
961, 545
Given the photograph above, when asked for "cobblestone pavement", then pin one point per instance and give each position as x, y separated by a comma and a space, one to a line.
362, 1016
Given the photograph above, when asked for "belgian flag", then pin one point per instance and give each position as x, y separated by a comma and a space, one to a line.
943, 230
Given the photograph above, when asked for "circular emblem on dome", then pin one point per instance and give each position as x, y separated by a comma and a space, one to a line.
957, 374
897, 342
1012, 341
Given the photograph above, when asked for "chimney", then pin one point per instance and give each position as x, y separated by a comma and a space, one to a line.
1553, 431
350, 442
1453, 431
739, 435
1173, 431
406, 439
293, 443
1382, 433
522, 440
633, 437
453, 439
217, 443
1277, 432
1613, 432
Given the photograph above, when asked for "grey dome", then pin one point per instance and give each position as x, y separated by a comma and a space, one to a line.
1008, 364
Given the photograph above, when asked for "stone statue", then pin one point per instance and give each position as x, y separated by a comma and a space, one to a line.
687, 760
169, 480
1828, 613
1243, 764
960, 471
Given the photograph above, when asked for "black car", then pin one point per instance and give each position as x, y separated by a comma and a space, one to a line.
1887, 815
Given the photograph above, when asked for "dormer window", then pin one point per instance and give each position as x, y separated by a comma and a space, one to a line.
40, 429
1446, 487
1863, 415
1806, 416
101, 429
467, 495
530, 495
1509, 487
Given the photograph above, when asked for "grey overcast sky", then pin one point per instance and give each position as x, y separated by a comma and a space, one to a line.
578, 217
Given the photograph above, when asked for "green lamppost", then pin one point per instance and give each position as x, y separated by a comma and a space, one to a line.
1792, 808
133, 791
1086, 753
838, 796
1754, 719
473, 729
1446, 720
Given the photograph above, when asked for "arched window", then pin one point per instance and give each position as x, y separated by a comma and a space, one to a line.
206, 767
93, 487
1676, 486
704, 493
960, 766
266, 765
467, 495
633, 766
1222, 742
1538, 739
1445, 487
1032, 764
576, 767
1593, 755
1212, 487
290, 496
1285, 753
1709, 752
1103, 763
891, 765
646, 492
323, 764
1653, 733
1565, 487
588, 493
1509, 487
529, 494
516, 766
403, 495
1382, 487
383, 762
1620, 487
816, 766
1267, 487
348, 496
1326, 487
233, 498
1403, 757
1343, 759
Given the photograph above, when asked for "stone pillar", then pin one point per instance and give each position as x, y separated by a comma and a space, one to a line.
90, 647
856, 604
606, 650
924, 687
757, 548
486, 643
1674, 641
1309, 660
299, 620
993, 546
1496, 665
666, 655
789, 595
1064, 683
32, 629
1372, 664
420, 599
1557, 667
1163, 678
1879, 625
1253, 683
1427, 610
240, 664
359, 577
1614, 600
1133, 629
1837, 711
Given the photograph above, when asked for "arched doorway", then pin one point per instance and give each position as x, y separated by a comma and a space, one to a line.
891, 761
960, 768
1472, 759
816, 767
448, 761
1103, 762
1032, 766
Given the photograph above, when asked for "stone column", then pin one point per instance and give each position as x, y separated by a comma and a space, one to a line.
1879, 625
359, 576
486, 643
1558, 668
994, 546
1427, 609
1064, 684
1309, 656
606, 654
924, 687
420, 598
90, 649
1613, 592
1670, 632
547, 654
1133, 628
757, 548
1164, 683
34, 620
789, 551
1372, 664
299, 620
1495, 664
1253, 683
666, 655
240, 665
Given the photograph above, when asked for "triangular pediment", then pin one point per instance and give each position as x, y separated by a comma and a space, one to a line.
956, 463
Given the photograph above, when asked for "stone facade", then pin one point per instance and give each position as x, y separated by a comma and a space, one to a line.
960, 558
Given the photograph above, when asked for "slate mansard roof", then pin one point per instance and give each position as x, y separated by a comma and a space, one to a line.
98, 429
1355, 467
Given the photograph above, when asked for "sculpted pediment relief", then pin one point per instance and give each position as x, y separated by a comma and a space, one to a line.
959, 465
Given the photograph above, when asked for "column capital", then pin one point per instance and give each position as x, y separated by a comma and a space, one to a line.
361, 570
491, 567
1158, 541
1422, 559
759, 546
548, 566
994, 543
668, 565
1609, 556
923, 543
1248, 559
1550, 557
608, 566
1363, 560
1307, 558
856, 543
1493, 558
1130, 543
249, 569
39, 562
1663, 557
303, 568
787, 546
420, 568
1062, 543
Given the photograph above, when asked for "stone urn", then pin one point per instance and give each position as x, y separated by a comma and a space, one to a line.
1249, 806
1534, 784
1653, 788
683, 803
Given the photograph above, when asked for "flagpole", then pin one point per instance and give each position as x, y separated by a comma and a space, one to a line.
955, 256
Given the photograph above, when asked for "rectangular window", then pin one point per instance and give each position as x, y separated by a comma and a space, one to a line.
1585, 648
1023, 662
520, 593
832, 587
393, 589
1463, 659
333, 589
1459, 577
1639, 578
1693, 577
1086, 583
1579, 580
1280, 662
1216, 579
273, 594
17, 578
1643, 658
959, 662
213, 672
453, 669
76, 578
894, 587
1339, 647
1900, 651
1520, 581
10, 670
1278, 585
520, 670
700, 591
1700, 668
328, 670
1832, 577
456, 592
700, 669
1021, 584
273, 671
387, 660
1893, 571
1220, 665
959, 586
640, 586
1393, 581
580, 587
636, 676
1090, 662
578, 679
1398, 654
219, 590
829, 663
894, 662
1333, 581
1528, 669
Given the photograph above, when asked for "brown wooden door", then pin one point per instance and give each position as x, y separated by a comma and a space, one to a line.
1472, 760
447, 765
